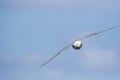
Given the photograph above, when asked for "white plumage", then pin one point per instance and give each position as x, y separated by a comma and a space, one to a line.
77, 44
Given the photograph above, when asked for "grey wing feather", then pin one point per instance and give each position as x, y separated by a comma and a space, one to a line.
59, 52
87, 36
96, 33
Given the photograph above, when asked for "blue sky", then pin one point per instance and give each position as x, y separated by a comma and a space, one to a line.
32, 31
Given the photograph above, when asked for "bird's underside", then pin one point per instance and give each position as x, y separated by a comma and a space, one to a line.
77, 44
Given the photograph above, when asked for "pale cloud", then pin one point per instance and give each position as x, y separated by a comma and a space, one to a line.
52, 74
7, 58
48, 74
92, 57
55, 74
33, 58
30, 59
95, 57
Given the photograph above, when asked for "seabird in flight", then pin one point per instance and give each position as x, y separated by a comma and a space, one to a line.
77, 44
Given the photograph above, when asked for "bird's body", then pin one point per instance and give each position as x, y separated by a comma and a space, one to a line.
77, 44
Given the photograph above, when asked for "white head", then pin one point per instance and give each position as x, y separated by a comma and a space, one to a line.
77, 44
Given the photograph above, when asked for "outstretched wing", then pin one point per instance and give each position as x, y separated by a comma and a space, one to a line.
87, 36
59, 52
96, 33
